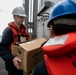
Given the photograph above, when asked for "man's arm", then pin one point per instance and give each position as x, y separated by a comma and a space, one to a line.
7, 39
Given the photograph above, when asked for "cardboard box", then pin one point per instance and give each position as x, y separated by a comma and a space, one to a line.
30, 53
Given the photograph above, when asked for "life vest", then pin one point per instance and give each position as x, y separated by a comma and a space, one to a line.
18, 35
60, 54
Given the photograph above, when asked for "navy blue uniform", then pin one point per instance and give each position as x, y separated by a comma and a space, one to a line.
7, 39
40, 69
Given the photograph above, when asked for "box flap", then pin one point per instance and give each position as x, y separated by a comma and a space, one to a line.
34, 44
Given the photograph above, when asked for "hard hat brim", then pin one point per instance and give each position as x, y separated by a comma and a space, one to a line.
21, 15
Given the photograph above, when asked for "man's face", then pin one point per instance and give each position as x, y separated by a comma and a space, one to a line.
19, 19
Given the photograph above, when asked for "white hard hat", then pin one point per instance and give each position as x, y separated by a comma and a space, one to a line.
19, 11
